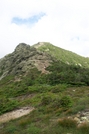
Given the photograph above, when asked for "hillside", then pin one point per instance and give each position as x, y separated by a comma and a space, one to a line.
63, 55
44, 89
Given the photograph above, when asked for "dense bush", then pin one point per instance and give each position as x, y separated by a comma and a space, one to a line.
66, 102
69, 74
7, 105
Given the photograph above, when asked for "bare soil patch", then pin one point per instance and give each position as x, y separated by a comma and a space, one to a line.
15, 114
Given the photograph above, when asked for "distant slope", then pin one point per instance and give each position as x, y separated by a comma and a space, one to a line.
62, 55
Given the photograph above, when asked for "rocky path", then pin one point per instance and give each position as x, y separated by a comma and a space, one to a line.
15, 114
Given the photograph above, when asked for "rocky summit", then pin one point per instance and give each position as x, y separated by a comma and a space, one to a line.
23, 59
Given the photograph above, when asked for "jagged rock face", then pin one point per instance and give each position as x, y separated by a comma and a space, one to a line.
22, 60
22, 47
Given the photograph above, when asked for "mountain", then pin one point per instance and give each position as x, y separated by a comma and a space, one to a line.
40, 56
44, 89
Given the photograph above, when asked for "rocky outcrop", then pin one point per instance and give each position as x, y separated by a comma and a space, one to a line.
22, 47
23, 59
82, 117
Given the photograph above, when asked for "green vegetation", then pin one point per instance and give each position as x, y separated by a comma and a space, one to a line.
7, 105
53, 102
66, 102
56, 96
68, 74
65, 56
67, 123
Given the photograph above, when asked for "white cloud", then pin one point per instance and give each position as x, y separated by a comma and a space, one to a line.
66, 24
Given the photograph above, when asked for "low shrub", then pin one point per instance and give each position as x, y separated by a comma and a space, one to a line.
67, 122
46, 100
56, 103
66, 102
82, 104
59, 88
84, 128
78, 108
7, 105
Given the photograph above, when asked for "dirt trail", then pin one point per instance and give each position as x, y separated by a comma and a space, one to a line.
15, 114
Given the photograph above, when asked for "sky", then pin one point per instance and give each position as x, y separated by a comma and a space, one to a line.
64, 23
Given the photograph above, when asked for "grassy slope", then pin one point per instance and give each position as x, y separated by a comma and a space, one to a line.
46, 100
64, 55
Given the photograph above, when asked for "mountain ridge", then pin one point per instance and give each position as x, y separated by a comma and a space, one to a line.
39, 55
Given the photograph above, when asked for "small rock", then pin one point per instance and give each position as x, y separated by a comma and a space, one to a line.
82, 114
77, 120
78, 115
84, 118
73, 90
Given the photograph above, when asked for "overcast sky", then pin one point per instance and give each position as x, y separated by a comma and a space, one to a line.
64, 23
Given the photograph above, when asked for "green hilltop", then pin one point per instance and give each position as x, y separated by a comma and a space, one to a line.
63, 55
